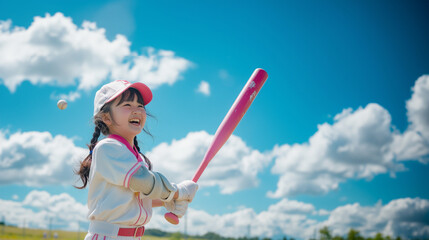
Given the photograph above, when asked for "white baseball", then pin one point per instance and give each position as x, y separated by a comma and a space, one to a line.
62, 104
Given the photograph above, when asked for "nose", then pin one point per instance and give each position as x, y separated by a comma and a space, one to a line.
138, 110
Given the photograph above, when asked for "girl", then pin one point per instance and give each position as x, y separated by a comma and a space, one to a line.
122, 186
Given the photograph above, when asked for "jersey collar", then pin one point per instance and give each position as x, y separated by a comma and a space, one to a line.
133, 150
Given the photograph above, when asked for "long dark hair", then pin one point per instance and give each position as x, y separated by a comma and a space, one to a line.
101, 127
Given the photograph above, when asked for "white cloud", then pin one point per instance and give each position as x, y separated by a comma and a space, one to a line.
405, 217
159, 67
356, 145
287, 217
204, 88
411, 145
235, 166
414, 143
418, 107
53, 50
39, 208
38, 158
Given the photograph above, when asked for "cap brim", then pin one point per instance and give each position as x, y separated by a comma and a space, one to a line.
141, 87
144, 91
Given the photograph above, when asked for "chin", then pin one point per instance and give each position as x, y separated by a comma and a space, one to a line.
137, 132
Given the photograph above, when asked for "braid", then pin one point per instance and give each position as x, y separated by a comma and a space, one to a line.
95, 137
136, 144
85, 165
148, 162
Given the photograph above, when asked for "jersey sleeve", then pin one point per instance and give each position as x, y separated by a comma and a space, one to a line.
114, 162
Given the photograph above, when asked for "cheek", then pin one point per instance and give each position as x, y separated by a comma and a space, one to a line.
144, 118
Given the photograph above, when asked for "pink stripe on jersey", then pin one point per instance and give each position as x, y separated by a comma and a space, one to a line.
140, 214
141, 202
139, 158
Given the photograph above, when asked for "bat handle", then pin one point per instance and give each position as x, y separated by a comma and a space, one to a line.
171, 218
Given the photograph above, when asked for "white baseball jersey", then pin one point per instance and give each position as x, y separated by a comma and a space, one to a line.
109, 198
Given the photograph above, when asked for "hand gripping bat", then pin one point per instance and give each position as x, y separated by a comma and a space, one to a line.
231, 120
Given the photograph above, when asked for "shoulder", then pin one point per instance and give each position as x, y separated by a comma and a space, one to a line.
108, 143
110, 147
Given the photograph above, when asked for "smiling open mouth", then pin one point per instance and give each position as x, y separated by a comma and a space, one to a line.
135, 121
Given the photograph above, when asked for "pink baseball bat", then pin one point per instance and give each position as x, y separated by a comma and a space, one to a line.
229, 123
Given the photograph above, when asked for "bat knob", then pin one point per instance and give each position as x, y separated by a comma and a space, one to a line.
171, 218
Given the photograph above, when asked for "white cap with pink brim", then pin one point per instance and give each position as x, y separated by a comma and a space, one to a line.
112, 90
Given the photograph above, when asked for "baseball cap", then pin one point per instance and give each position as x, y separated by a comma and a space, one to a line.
112, 90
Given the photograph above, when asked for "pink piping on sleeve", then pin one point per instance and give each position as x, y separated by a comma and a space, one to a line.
130, 173
134, 151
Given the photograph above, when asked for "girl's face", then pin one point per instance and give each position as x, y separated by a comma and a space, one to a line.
126, 119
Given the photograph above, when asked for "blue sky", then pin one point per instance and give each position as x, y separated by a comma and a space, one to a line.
337, 137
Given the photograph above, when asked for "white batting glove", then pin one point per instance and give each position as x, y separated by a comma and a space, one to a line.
177, 207
170, 206
187, 190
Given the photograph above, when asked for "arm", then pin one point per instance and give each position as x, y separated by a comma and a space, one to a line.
153, 185
115, 166
157, 203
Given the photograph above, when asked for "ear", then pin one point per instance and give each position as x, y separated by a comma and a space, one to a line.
106, 119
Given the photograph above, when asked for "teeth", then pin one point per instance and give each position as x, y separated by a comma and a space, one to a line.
135, 120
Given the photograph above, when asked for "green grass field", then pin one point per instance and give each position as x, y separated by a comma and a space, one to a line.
13, 233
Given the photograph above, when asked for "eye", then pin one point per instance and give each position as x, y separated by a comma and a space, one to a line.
141, 106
